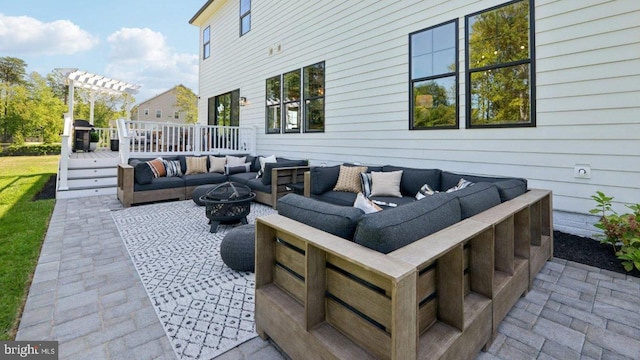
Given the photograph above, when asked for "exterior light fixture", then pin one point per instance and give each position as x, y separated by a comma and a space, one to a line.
243, 101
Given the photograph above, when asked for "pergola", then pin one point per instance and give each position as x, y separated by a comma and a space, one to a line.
85, 80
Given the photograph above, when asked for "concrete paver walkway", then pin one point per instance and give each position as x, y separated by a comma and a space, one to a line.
86, 294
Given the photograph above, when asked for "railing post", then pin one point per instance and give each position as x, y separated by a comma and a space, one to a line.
65, 151
124, 141
197, 139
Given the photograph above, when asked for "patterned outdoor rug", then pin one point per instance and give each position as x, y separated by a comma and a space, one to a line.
205, 307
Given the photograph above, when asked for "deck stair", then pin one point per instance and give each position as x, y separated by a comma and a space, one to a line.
89, 177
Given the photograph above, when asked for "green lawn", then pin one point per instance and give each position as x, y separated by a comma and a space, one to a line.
23, 224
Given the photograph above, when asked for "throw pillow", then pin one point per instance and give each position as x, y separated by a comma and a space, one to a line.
425, 191
386, 183
235, 160
157, 167
217, 164
196, 165
349, 179
461, 185
264, 160
365, 182
365, 204
236, 169
172, 167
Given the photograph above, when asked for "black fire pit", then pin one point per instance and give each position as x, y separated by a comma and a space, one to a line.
227, 203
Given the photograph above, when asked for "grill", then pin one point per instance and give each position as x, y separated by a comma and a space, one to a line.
227, 203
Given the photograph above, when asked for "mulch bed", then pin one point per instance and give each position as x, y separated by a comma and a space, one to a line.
587, 251
48, 191
566, 246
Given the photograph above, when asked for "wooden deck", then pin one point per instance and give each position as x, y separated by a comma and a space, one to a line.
98, 154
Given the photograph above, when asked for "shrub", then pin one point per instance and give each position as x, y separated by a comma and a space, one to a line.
620, 231
31, 150
94, 136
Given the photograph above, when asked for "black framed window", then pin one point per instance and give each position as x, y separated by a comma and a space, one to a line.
206, 42
313, 93
434, 77
500, 72
158, 114
273, 105
291, 101
224, 109
245, 16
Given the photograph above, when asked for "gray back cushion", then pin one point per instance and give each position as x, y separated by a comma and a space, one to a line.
323, 178
510, 189
266, 177
413, 179
450, 179
334, 219
476, 198
394, 228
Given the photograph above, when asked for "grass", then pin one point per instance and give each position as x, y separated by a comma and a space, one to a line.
23, 225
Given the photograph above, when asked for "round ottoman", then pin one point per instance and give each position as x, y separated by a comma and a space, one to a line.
238, 248
201, 190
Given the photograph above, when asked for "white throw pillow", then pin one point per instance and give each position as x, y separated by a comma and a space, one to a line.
217, 164
264, 160
235, 160
386, 183
425, 191
463, 183
365, 204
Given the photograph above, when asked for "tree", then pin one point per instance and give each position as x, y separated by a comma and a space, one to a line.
187, 102
45, 109
12, 72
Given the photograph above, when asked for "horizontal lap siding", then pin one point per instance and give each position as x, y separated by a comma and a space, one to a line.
588, 86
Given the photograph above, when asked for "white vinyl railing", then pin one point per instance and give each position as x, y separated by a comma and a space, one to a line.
142, 138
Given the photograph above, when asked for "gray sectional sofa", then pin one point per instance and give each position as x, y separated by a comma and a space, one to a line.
136, 183
428, 279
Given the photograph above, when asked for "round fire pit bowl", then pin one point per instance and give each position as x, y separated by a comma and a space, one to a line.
227, 203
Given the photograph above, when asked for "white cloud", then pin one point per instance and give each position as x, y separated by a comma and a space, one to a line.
26, 35
142, 56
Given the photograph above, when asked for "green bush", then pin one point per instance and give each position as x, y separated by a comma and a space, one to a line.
94, 136
31, 150
620, 231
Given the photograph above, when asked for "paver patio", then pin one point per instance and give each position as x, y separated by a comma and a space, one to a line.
86, 294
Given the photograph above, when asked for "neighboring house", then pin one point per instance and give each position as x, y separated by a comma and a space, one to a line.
396, 82
160, 108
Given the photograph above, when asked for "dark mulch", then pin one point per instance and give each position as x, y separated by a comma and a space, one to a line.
48, 191
566, 246
587, 251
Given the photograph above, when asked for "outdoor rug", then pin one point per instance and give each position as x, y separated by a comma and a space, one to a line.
205, 307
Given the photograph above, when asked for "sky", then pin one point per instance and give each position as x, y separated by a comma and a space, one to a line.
144, 42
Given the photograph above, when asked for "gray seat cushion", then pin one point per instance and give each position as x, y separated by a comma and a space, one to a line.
160, 183
242, 178
337, 220
200, 191
394, 228
257, 185
342, 198
203, 179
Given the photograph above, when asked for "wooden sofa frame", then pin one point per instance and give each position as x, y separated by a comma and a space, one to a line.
319, 296
280, 178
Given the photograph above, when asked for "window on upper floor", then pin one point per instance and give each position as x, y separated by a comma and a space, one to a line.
500, 78
146, 111
158, 114
313, 97
176, 114
434, 77
245, 16
288, 97
206, 42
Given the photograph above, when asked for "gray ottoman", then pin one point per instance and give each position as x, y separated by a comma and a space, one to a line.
238, 248
201, 190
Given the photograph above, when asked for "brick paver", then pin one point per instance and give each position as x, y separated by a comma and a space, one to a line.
86, 294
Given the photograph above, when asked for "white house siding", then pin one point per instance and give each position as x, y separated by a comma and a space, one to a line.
588, 91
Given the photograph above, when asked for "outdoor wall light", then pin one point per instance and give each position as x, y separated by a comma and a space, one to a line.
243, 101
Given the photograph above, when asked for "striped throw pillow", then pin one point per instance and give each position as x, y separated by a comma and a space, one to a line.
157, 167
172, 167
